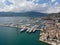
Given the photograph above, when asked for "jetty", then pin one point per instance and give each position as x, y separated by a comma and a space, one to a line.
34, 28
24, 27
9, 25
28, 30
50, 30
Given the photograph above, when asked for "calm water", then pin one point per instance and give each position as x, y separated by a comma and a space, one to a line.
12, 36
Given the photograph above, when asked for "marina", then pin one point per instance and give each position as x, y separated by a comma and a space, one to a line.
29, 22
47, 30
10, 32
23, 28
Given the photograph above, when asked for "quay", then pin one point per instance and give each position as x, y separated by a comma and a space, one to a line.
8, 25
50, 30
23, 27
33, 28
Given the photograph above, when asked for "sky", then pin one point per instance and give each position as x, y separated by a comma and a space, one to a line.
42, 6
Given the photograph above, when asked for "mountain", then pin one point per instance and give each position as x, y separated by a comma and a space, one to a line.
54, 15
30, 14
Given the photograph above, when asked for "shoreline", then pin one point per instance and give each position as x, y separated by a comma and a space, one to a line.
23, 27
51, 32
48, 27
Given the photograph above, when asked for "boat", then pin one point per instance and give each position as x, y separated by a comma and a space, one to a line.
28, 30
22, 30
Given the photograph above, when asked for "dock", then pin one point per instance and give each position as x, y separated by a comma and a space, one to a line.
23, 27
33, 29
28, 30
6, 25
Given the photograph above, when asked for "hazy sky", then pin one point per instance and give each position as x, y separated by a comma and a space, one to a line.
44, 6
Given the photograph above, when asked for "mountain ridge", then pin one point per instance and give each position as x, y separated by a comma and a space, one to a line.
37, 14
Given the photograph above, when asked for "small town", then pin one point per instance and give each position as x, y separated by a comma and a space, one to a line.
29, 22
49, 28
51, 31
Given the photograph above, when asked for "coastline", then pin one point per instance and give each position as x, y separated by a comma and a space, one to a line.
47, 26
51, 32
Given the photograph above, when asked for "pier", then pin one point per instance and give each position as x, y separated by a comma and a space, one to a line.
7, 25
49, 30
23, 27
32, 29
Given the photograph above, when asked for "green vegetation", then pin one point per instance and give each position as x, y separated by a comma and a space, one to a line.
54, 15
51, 16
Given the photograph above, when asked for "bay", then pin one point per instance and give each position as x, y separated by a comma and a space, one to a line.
12, 36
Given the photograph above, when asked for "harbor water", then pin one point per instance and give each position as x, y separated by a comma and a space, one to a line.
13, 36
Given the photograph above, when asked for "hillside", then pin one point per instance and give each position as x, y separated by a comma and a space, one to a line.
54, 15
30, 14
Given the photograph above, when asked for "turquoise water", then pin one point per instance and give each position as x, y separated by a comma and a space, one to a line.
12, 36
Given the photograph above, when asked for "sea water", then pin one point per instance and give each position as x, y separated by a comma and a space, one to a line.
13, 36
